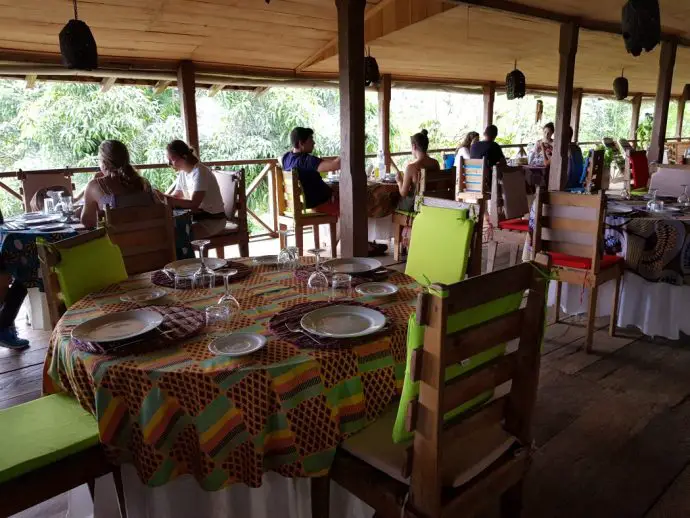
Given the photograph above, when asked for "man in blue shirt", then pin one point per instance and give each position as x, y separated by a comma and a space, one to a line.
488, 148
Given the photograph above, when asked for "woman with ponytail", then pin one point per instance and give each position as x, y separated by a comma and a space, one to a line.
117, 185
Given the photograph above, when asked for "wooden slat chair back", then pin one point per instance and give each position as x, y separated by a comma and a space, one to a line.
570, 228
452, 468
473, 185
31, 183
234, 192
291, 212
507, 209
145, 235
437, 184
597, 177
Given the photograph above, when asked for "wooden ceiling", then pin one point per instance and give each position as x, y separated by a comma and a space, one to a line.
435, 39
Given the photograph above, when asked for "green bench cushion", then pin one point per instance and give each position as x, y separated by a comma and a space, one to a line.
41, 432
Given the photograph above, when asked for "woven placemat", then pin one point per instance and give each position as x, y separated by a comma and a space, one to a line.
277, 325
179, 323
161, 278
303, 272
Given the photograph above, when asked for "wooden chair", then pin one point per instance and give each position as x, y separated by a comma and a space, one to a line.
457, 466
435, 184
233, 190
473, 185
33, 182
597, 178
639, 169
291, 211
145, 235
570, 228
506, 213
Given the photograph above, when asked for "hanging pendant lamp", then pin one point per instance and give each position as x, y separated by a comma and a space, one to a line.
77, 45
515, 84
620, 86
641, 25
371, 70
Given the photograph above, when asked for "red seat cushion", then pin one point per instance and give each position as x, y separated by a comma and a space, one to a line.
583, 263
519, 224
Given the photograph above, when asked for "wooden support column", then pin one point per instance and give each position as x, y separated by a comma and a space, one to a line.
575, 114
186, 84
566, 73
681, 111
667, 60
635, 121
489, 99
353, 178
385, 118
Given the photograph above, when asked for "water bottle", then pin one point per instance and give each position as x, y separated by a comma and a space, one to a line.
382, 164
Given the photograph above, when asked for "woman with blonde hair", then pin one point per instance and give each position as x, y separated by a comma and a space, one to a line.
463, 150
117, 185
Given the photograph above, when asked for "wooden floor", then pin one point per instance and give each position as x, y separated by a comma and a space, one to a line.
612, 429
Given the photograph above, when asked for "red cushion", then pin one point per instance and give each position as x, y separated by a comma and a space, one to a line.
639, 169
583, 263
519, 224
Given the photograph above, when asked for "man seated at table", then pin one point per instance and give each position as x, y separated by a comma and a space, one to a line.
12, 295
488, 148
317, 194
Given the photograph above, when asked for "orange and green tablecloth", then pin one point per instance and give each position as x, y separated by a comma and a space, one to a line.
183, 410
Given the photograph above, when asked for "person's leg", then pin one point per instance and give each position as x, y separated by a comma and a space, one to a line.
14, 298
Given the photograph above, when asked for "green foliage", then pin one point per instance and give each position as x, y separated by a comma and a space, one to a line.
644, 131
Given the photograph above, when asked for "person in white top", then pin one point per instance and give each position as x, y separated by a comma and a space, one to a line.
464, 148
196, 189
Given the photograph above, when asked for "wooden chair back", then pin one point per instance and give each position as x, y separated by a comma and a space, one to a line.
473, 181
145, 235
508, 194
437, 184
571, 224
289, 192
31, 183
668, 181
595, 171
234, 193
435, 439
639, 169
49, 256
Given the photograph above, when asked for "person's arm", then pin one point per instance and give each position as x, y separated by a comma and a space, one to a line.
183, 203
405, 181
89, 214
327, 165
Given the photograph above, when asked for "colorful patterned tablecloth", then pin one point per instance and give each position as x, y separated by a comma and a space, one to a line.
226, 420
382, 198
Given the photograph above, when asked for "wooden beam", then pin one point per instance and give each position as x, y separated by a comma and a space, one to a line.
575, 114
353, 179
566, 73
385, 118
667, 61
215, 89
107, 83
635, 120
681, 111
187, 88
384, 18
160, 87
30, 81
260, 90
489, 99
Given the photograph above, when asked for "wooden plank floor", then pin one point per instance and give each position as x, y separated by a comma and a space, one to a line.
612, 428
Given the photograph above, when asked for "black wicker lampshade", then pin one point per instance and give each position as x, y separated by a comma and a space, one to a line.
620, 88
371, 71
77, 44
641, 25
515, 85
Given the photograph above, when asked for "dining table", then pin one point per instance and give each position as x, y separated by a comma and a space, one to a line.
183, 410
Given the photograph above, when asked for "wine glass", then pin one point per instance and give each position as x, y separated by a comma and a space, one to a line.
204, 280
654, 205
201, 244
228, 299
318, 279
684, 199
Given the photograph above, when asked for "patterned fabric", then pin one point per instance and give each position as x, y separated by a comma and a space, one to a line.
161, 278
224, 420
382, 198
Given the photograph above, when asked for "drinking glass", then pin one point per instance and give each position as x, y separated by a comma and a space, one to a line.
217, 315
654, 205
228, 299
204, 280
625, 193
318, 279
340, 286
184, 281
48, 206
684, 199
201, 244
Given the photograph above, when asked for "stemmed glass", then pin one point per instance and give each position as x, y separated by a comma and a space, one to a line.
625, 193
654, 205
204, 277
228, 299
201, 244
684, 199
318, 279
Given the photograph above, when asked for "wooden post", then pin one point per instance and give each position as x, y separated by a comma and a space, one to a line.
575, 114
635, 121
681, 115
186, 85
385, 118
566, 73
489, 98
667, 60
353, 178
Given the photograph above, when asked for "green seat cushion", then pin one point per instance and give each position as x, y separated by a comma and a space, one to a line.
89, 267
38, 433
457, 322
408, 213
440, 245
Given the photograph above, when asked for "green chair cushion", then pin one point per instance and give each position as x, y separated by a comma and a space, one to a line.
89, 267
457, 322
440, 245
41, 432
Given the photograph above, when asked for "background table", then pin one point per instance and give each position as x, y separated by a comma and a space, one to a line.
382, 198
223, 420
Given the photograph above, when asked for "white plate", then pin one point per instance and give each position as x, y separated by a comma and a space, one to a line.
42, 221
237, 344
343, 321
353, 265
189, 266
266, 260
32, 215
118, 326
144, 295
377, 289
51, 227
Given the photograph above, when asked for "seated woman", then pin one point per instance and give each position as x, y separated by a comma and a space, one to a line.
543, 148
464, 149
407, 182
117, 185
196, 189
